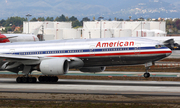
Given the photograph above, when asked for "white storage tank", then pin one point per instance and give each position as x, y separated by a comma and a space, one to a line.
68, 33
145, 33
91, 24
62, 25
48, 24
158, 25
159, 33
48, 37
95, 33
102, 24
134, 26
90, 33
29, 27
122, 32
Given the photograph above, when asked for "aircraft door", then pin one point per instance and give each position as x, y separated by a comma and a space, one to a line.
137, 48
92, 50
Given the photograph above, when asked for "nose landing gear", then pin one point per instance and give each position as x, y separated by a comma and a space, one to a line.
147, 65
147, 74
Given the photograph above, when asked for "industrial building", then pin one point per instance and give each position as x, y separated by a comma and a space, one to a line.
96, 29
104, 29
51, 30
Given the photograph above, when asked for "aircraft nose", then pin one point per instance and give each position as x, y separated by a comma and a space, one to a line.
169, 52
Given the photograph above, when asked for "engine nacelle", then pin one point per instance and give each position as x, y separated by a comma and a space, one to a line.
92, 69
55, 66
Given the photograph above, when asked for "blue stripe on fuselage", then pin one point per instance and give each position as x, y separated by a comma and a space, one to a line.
86, 50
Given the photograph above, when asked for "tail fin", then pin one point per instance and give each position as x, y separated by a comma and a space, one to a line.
37, 30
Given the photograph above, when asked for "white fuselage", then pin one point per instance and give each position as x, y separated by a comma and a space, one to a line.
22, 37
94, 52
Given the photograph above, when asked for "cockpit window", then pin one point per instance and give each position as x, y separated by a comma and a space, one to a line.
159, 46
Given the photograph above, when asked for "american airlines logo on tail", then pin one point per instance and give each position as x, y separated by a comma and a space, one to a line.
115, 44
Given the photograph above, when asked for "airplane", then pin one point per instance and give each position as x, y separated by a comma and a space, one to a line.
17, 38
172, 42
56, 57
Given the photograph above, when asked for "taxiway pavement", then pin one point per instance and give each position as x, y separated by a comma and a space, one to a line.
104, 87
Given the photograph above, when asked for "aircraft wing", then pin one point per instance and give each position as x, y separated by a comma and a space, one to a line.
18, 57
8, 37
26, 60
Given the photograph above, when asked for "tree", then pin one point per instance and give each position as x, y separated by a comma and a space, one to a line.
61, 18
34, 19
120, 19
73, 18
7, 29
57, 18
3, 22
76, 23
49, 19
41, 19
67, 18
178, 24
84, 19
94, 18
149, 19
17, 21
13, 27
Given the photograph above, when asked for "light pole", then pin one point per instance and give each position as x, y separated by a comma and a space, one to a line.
28, 15
100, 18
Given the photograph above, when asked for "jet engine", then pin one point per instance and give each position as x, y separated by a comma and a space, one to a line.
55, 66
92, 69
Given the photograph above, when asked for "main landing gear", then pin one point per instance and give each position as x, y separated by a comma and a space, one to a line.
48, 79
41, 79
26, 80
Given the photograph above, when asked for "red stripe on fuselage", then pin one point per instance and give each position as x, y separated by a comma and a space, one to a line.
113, 54
3, 39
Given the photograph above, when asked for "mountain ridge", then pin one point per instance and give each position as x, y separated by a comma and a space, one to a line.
84, 8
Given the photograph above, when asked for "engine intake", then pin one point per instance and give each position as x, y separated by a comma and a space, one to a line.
55, 66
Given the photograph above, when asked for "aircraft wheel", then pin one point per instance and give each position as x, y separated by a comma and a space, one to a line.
34, 80
56, 79
30, 79
146, 75
48, 79
25, 79
19, 79
40, 79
